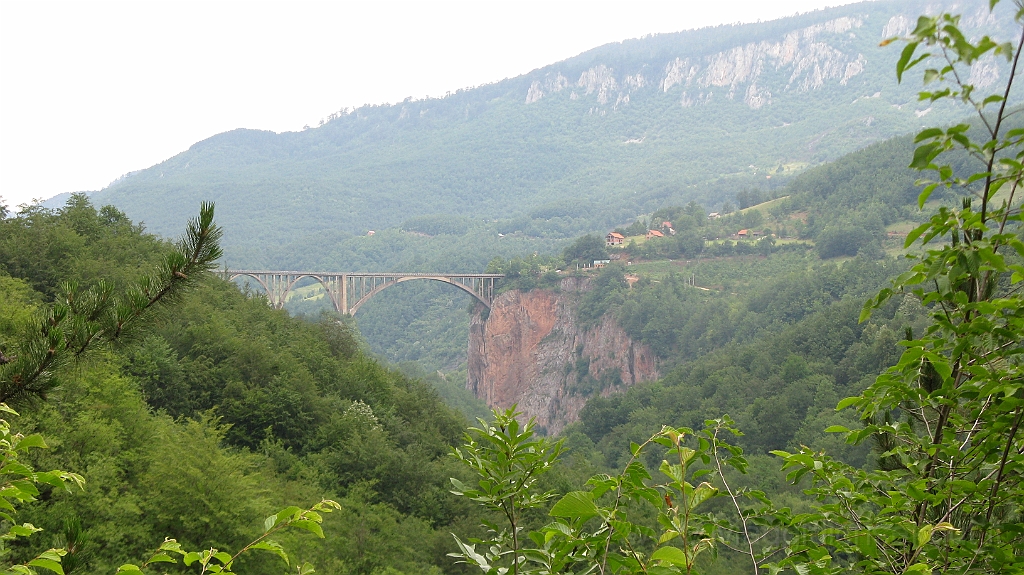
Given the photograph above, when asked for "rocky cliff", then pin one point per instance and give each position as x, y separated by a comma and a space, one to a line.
801, 60
804, 59
531, 350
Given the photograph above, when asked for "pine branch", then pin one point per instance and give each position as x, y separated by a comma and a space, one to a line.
81, 320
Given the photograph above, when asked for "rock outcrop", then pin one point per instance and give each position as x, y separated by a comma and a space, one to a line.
532, 351
801, 61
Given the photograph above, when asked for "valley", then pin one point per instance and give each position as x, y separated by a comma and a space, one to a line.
729, 300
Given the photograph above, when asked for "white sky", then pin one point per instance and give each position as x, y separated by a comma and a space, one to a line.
92, 90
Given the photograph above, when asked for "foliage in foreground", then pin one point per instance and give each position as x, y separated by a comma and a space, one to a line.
606, 527
946, 493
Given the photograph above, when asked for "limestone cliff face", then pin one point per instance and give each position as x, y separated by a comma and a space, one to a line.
831, 53
530, 350
803, 60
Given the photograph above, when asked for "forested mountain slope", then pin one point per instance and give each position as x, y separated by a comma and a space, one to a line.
217, 414
579, 145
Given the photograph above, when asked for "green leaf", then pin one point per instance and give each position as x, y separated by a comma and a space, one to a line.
924, 535
34, 440
306, 569
837, 429
24, 530
671, 555
686, 454
916, 232
15, 468
575, 505
671, 470
161, 558
702, 493
129, 568
48, 564
922, 199
171, 545
273, 547
847, 402
927, 134
865, 311
286, 514
668, 536
49, 478
923, 156
905, 56
867, 545
307, 525
27, 488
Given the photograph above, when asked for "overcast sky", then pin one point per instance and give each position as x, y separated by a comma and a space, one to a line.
92, 90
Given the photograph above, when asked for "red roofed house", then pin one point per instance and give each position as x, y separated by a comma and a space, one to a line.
654, 234
743, 233
614, 239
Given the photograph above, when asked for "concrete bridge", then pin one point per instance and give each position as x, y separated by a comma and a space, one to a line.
348, 291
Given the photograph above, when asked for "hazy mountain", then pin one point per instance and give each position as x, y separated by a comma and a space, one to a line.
582, 144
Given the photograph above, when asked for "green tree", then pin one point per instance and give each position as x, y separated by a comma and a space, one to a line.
602, 528
838, 241
948, 493
585, 250
508, 462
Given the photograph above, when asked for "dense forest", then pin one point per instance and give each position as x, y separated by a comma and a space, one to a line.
216, 415
261, 410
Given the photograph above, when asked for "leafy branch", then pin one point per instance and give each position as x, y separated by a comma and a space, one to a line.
216, 561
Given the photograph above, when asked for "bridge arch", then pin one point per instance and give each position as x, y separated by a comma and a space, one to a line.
318, 277
359, 303
232, 276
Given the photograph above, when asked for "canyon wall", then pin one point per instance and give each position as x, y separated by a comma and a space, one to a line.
531, 350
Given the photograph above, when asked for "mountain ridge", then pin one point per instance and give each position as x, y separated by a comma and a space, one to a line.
576, 146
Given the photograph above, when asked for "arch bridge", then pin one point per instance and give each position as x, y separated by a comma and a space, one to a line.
348, 291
